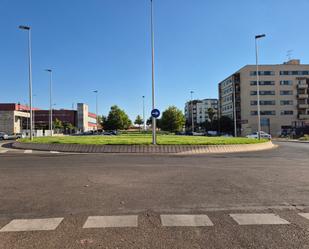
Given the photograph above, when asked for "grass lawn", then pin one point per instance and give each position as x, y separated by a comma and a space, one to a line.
143, 139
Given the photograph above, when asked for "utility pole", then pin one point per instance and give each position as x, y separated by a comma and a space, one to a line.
144, 121
28, 29
50, 101
258, 83
154, 121
192, 118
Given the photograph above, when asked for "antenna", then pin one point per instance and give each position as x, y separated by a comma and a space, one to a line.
289, 54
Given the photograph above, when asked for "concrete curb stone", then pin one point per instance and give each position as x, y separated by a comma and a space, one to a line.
145, 149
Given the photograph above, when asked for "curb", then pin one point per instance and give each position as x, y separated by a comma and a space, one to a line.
146, 149
292, 141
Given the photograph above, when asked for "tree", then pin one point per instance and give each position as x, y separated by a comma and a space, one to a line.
102, 121
68, 127
226, 124
149, 121
172, 120
117, 119
138, 121
211, 115
57, 124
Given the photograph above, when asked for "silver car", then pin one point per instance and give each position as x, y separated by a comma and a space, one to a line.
3, 136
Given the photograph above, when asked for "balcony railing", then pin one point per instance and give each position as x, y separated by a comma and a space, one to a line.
303, 96
302, 86
303, 106
304, 116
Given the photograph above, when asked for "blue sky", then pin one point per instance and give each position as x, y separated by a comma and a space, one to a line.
105, 45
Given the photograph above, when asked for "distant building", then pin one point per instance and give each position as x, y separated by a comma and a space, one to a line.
283, 92
199, 110
15, 117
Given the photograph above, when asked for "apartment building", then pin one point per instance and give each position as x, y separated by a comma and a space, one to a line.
284, 101
200, 111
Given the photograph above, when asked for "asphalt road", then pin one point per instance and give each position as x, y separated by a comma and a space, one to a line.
75, 187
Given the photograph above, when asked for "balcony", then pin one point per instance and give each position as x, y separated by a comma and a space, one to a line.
302, 86
303, 106
303, 96
304, 116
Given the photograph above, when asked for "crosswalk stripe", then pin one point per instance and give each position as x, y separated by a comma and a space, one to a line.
32, 225
3, 151
111, 221
305, 215
185, 220
258, 219
28, 151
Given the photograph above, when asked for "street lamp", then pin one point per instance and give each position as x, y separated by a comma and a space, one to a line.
144, 121
234, 109
192, 118
33, 111
50, 101
28, 29
154, 137
258, 82
96, 106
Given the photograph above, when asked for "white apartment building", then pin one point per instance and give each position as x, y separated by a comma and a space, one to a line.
200, 111
283, 92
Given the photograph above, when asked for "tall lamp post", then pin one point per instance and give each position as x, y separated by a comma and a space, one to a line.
192, 118
96, 106
33, 111
144, 121
28, 29
154, 123
258, 82
50, 101
234, 109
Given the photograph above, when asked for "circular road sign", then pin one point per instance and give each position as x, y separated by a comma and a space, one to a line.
155, 113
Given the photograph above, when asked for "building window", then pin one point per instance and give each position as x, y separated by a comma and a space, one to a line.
264, 102
253, 73
286, 82
263, 113
286, 92
286, 102
262, 93
294, 72
263, 83
287, 112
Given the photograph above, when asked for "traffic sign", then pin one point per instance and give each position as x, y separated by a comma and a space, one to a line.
155, 113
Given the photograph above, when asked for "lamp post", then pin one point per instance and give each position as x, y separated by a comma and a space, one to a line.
50, 100
234, 109
192, 118
96, 106
33, 111
28, 29
154, 123
258, 82
144, 121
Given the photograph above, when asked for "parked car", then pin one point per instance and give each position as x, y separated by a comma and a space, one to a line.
262, 135
3, 136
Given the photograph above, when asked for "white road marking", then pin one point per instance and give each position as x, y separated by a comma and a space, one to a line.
305, 215
54, 152
28, 151
185, 220
258, 219
111, 221
32, 225
3, 151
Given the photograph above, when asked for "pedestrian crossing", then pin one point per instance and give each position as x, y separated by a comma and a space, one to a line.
132, 221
